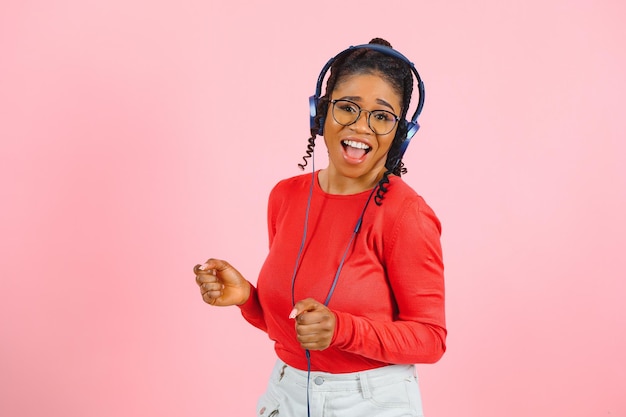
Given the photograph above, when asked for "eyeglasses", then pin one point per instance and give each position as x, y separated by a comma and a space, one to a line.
346, 112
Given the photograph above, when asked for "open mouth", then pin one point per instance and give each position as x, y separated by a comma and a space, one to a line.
355, 149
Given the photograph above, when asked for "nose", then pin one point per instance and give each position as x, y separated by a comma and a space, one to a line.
362, 122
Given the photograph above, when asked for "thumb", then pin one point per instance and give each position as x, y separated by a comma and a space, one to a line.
308, 304
216, 264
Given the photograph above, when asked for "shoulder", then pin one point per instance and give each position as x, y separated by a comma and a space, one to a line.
298, 182
285, 190
403, 204
399, 195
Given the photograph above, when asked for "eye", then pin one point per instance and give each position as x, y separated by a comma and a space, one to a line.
383, 116
347, 106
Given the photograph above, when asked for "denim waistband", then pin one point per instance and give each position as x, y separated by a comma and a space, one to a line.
353, 381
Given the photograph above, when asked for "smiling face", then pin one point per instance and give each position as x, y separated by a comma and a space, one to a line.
357, 155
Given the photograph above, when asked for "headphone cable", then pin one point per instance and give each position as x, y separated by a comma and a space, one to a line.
356, 230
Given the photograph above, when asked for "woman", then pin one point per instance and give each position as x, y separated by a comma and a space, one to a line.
352, 293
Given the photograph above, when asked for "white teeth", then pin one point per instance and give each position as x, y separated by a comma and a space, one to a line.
354, 144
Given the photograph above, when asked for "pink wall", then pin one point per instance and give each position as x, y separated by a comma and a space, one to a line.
139, 138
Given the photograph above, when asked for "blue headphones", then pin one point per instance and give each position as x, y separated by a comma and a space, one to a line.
412, 125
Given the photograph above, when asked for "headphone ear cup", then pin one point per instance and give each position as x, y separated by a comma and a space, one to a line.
411, 130
314, 103
313, 100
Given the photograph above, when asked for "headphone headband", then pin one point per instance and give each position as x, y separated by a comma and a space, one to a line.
383, 50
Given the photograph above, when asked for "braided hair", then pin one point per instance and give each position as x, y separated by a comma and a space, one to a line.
397, 73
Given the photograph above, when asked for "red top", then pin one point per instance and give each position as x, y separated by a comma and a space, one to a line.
389, 300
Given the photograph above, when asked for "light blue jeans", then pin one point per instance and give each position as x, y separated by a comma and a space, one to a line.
391, 391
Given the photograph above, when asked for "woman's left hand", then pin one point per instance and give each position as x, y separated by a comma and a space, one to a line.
315, 324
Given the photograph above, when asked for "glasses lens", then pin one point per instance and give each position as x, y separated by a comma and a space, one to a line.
345, 112
382, 121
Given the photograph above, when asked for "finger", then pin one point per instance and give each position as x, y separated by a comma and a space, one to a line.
313, 342
307, 318
314, 346
205, 279
211, 286
323, 326
210, 298
211, 291
308, 304
216, 264
211, 264
203, 270
306, 339
308, 330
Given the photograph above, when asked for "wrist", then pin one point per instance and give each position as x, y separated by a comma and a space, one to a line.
246, 293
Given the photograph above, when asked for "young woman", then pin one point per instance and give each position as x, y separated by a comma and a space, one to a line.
352, 290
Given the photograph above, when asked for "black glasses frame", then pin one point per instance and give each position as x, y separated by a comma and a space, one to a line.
369, 115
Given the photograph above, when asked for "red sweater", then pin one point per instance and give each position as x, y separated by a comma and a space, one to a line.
389, 300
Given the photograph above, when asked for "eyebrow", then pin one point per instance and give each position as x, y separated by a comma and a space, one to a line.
378, 100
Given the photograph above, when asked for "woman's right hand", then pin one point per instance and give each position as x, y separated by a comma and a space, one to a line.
221, 284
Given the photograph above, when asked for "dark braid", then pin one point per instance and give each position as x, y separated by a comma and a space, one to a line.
309, 151
394, 71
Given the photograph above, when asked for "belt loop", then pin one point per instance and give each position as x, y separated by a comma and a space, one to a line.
365, 388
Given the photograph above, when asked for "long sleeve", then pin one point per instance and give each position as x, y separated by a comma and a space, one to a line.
414, 266
252, 311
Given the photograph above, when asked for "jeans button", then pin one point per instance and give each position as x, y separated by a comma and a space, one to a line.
318, 380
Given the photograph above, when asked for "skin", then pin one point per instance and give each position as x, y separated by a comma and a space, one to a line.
346, 176
222, 285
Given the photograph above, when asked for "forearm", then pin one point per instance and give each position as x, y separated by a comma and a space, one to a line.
398, 342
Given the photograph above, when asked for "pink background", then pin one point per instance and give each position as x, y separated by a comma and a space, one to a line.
141, 137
